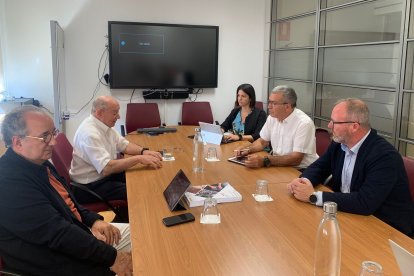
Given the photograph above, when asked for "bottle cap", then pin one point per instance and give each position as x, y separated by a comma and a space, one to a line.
330, 207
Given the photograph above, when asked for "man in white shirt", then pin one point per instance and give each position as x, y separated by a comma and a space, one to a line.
95, 149
288, 129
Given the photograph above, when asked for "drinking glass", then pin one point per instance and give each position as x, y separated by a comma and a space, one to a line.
210, 213
370, 268
167, 153
262, 192
212, 153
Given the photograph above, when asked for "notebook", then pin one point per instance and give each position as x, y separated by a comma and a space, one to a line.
404, 258
211, 133
175, 191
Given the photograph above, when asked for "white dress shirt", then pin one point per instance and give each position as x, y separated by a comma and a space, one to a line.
349, 164
296, 133
94, 145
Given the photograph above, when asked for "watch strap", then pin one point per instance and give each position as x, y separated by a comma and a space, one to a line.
144, 149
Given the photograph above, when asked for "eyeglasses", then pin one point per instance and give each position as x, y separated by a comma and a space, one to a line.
47, 137
275, 103
344, 122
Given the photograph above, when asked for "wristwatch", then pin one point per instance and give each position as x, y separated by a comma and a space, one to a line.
267, 162
240, 137
313, 198
144, 149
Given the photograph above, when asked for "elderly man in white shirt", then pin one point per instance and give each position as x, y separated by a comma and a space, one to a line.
95, 149
289, 130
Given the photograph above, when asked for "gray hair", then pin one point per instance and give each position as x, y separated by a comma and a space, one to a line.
357, 111
14, 123
99, 103
289, 94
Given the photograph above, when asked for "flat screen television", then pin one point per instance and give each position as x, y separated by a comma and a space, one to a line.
162, 56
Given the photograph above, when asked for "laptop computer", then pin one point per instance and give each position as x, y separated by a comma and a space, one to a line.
175, 191
211, 133
404, 258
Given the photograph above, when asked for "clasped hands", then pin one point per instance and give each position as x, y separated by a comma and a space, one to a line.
301, 189
152, 159
111, 235
106, 232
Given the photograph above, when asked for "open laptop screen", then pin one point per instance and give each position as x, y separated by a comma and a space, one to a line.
211, 133
404, 258
176, 189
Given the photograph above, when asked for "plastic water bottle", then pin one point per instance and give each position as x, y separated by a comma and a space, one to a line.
198, 151
328, 243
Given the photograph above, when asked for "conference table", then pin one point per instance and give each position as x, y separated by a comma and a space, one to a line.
253, 238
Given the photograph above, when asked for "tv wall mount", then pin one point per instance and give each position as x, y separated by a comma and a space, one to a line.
166, 94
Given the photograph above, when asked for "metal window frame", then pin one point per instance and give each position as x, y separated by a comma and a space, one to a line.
403, 41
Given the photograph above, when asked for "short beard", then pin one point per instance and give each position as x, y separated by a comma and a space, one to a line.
338, 139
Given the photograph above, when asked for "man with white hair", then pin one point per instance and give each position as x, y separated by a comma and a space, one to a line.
95, 149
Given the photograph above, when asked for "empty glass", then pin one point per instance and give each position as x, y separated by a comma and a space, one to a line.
210, 213
212, 154
167, 153
262, 192
369, 268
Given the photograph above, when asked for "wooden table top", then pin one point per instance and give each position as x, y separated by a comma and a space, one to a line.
271, 238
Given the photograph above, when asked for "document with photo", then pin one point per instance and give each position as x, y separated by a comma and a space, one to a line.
222, 192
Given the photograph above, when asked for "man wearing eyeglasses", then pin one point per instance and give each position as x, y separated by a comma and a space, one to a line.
368, 175
95, 149
288, 129
43, 230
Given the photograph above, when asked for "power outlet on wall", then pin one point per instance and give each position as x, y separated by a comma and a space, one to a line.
65, 115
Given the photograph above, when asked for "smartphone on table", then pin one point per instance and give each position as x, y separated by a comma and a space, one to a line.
178, 219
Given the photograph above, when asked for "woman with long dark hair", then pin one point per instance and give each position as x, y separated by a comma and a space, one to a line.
245, 120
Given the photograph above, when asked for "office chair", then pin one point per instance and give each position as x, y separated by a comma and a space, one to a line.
142, 115
62, 158
409, 168
259, 105
6, 271
323, 140
195, 112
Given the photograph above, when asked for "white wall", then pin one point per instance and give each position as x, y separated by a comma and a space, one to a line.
243, 33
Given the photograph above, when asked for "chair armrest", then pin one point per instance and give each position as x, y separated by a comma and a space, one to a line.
11, 272
97, 196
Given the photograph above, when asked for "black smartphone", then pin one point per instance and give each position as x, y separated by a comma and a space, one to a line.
178, 219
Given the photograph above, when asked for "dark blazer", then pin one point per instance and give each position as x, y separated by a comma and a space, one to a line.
379, 184
38, 232
252, 125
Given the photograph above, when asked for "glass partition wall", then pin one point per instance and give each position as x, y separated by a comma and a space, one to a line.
333, 49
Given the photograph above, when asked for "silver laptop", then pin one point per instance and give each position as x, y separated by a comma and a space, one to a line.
404, 259
211, 133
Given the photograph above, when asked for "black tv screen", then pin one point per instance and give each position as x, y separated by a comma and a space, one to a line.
155, 55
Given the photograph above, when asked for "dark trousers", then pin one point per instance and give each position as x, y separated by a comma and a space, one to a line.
111, 187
